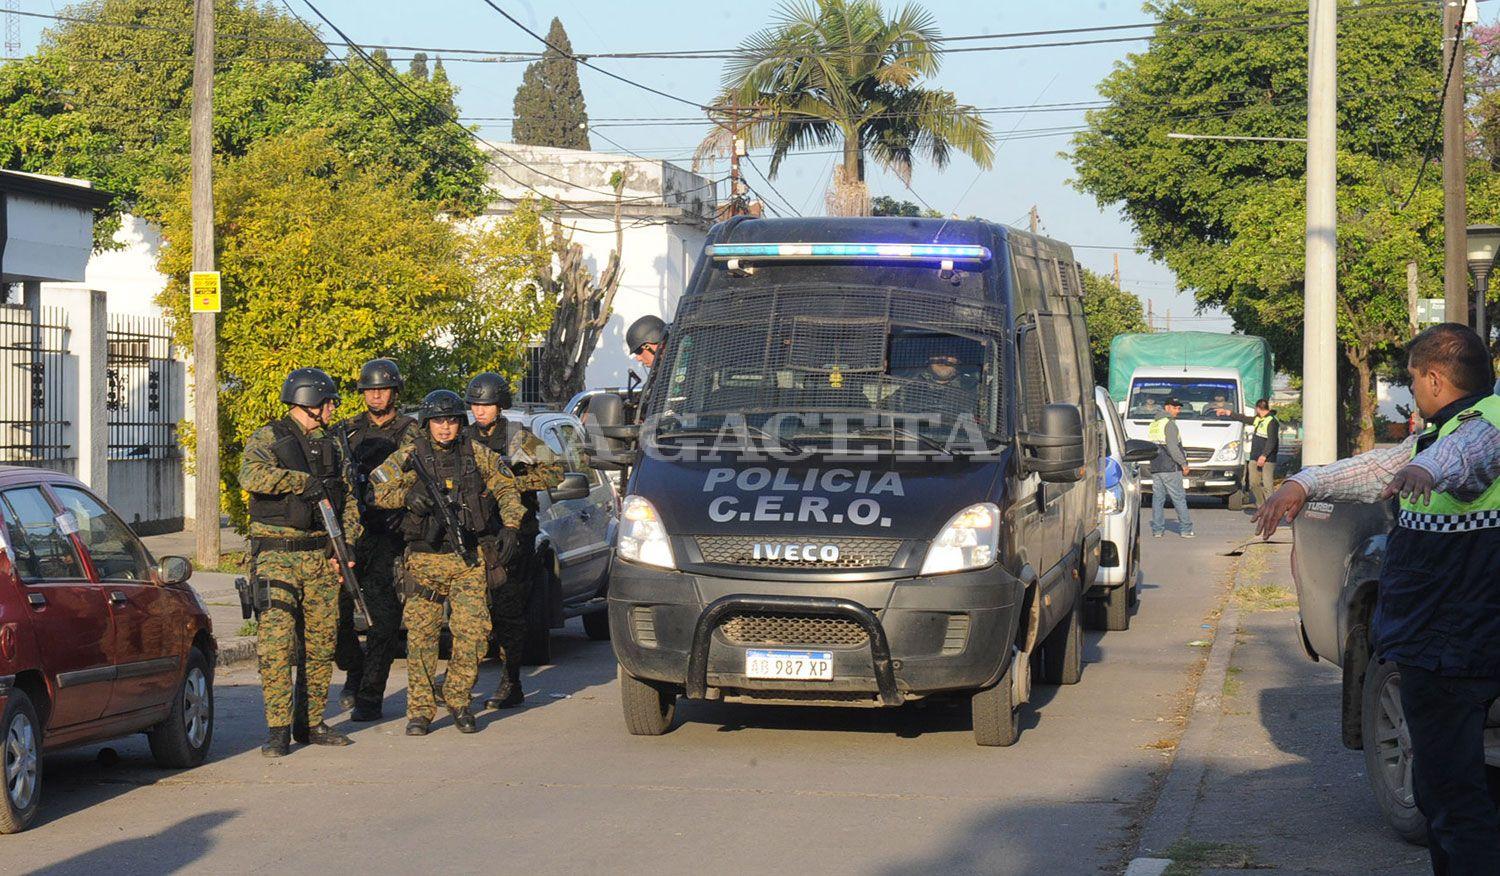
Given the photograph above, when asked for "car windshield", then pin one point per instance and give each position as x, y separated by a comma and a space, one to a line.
1201, 399
802, 365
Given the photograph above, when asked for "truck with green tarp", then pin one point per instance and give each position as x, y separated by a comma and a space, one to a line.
1209, 373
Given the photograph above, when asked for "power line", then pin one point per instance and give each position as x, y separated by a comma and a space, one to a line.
772, 187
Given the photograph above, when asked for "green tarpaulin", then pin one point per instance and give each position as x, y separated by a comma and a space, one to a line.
1250, 356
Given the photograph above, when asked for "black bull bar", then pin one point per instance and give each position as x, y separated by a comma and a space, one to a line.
880, 650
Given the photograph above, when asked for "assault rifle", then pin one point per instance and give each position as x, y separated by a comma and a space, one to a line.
444, 510
345, 560
357, 481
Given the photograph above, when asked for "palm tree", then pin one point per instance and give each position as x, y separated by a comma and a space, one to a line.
838, 72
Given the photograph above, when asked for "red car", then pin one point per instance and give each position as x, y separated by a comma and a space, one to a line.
97, 640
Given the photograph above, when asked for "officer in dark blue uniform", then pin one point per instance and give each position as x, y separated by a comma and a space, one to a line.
1438, 611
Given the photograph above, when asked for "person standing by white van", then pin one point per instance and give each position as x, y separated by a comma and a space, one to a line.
1167, 472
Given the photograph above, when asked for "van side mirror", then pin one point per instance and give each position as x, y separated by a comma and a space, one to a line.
171, 571
609, 436
1137, 450
574, 486
1055, 452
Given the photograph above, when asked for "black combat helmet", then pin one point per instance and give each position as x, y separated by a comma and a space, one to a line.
646, 330
488, 388
308, 388
380, 374
442, 403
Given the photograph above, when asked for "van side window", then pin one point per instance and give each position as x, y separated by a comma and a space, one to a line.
1033, 372
43, 553
573, 457
117, 554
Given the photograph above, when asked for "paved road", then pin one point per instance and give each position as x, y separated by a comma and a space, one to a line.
560, 787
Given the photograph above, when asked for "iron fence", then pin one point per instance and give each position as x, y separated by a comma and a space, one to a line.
140, 389
33, 354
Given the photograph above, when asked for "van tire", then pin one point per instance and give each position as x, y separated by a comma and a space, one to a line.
183, 739
19, 718
997, 721
649, 708
596, 625
1062, 650
1386, 760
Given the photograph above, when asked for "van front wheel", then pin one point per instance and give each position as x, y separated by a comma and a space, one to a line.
997, 721
649, 709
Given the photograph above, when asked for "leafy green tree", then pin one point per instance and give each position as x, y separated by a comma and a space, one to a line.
112, 104
885, 205
840, 72
1108, 312
549, 106
324, 264
1227, 216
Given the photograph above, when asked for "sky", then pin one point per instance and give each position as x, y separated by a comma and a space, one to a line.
1028, 169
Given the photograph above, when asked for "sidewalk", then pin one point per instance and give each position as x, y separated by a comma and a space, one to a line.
216, 589
1278, 790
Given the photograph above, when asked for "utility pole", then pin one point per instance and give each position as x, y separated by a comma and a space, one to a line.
1319, 349
205, 338
1036, 220
1150, 315
1411, 297
737, 206
1117, 271
1455, 201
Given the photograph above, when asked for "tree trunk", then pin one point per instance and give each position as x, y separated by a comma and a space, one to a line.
849, 196
1364, 398
583, 306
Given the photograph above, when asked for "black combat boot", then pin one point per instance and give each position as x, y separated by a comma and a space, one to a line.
509, 694
417, 727
463, 719
278, 742
348, 694
326, 735
365, 712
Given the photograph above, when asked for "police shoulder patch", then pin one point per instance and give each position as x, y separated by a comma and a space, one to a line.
1470, 414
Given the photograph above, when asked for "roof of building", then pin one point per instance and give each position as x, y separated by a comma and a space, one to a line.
76, 192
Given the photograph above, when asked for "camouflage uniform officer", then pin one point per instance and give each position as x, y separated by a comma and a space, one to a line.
289, 467
536, 468
477, 492
371, 436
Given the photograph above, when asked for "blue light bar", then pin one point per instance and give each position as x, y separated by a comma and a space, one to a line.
923, 252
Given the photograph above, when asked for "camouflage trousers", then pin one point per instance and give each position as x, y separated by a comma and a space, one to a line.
304, 601
369, 666
468, 620
508, 605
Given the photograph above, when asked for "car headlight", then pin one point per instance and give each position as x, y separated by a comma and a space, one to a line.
969, 541
1228, 453
1114, 499
642, 538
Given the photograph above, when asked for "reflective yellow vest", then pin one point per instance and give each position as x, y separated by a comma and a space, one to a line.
1445, 513
1157, 432
1262, 426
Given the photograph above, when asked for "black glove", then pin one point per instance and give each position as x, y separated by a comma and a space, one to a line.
506, 545
314, 492
419, 501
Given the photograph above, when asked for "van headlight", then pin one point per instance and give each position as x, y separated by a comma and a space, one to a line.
969, 541
1228, 453
642, 538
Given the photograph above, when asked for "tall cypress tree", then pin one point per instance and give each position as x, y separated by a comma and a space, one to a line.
549, 106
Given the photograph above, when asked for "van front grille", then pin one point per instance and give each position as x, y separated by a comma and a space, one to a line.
853, 553
778, 629
1198, 455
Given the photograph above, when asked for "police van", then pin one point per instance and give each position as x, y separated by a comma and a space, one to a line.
861, 474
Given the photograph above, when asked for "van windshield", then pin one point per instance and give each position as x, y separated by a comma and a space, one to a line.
1200, 398
800, 364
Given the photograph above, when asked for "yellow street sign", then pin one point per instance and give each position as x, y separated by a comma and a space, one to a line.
205, 291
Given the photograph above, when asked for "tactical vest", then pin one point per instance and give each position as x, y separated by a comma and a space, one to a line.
499, 441
371, 444
318, 457
457, 474
1444, 512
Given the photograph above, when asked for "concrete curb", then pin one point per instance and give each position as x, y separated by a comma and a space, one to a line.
235, 650
1179, 794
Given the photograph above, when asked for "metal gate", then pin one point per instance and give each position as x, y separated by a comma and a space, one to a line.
140, 388
33, 354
